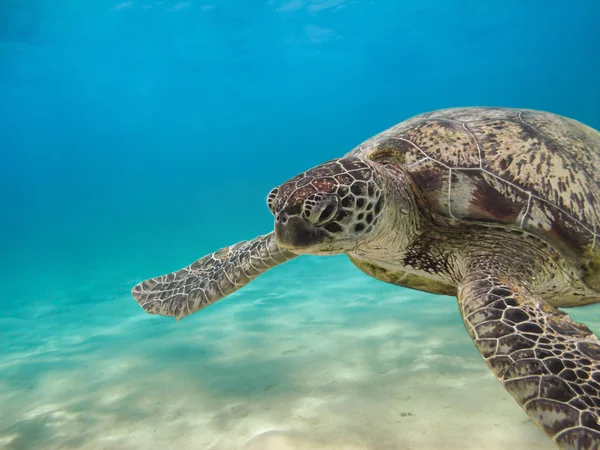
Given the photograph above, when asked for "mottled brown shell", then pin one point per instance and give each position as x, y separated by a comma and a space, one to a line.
522, 168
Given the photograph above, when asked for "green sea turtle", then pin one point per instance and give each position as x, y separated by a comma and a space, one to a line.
499, 207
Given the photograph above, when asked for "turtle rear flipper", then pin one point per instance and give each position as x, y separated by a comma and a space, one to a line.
209, 279
550, 364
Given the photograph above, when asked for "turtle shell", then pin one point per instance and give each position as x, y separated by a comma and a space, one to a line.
525, 169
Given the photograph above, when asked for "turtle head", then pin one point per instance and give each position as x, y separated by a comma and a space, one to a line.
329, 209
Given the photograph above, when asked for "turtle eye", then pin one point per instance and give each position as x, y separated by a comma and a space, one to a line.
321, 210
328, 213
271, 199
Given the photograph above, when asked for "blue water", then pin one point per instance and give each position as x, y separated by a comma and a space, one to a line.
136, 137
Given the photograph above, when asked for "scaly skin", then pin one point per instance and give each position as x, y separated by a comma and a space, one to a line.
209, 279
434, 204
550, 364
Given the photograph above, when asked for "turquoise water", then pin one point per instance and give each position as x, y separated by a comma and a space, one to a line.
138, 136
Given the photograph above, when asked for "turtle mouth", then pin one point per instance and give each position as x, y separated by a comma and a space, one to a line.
296, 233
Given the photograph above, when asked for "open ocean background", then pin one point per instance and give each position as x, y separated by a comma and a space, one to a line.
135, 137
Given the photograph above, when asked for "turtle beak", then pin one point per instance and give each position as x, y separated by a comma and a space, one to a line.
294, 232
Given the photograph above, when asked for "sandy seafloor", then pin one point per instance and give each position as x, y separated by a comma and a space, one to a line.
312, 355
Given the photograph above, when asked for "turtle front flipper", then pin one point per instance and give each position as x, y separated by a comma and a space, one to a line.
211, 278
550, 364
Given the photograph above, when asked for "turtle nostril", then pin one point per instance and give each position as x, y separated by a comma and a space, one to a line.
282, 218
